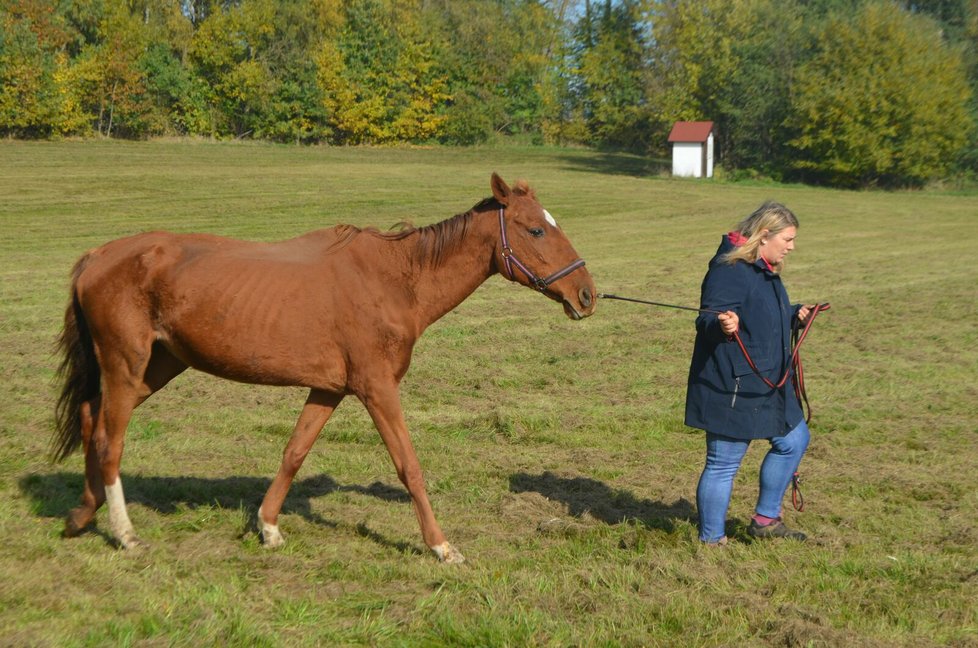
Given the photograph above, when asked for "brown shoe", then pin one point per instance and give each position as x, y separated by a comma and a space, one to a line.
776, 529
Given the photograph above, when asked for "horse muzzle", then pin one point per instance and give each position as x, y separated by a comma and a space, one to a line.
585, 306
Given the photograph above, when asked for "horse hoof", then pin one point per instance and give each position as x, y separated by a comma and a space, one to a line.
131, 542
71, 529
271, 538
76, 522
448, 554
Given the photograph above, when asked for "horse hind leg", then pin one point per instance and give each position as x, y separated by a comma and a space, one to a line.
317, 410
161, 367
118, 402
94, 491
104, 423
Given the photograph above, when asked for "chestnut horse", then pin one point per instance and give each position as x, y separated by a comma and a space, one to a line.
336, 310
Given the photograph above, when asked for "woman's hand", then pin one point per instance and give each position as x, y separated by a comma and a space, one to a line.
805, 312
729, 322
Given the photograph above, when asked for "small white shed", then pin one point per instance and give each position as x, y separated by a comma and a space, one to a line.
692, 149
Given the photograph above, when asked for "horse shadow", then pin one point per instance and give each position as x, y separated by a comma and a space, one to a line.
583, 495
53, 495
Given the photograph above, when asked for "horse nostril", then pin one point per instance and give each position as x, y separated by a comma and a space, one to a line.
585, 296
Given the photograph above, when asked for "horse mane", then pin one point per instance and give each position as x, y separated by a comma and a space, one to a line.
433, 240
436, 239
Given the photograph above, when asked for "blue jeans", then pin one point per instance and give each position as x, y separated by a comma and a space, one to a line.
723, 457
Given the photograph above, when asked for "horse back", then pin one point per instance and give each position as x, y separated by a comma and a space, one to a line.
290, 313
148, 258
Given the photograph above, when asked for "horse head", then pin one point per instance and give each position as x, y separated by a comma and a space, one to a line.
535, 252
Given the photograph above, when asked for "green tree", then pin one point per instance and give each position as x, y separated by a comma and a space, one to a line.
753, 98
120, 91
611, 64
297, 111
959, 25
723, 61
167, 82
177, 99
500, 59
35, 39
225, 54
28, 93
92, 51
354, 72
530, 30
379, 78
882, 101
477, 60
968, 160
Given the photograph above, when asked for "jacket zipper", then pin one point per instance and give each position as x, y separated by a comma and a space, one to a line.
733, 401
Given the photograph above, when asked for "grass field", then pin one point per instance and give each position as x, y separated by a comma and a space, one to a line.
554, 451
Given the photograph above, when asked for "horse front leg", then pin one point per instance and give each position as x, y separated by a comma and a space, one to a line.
384, 406
317, 410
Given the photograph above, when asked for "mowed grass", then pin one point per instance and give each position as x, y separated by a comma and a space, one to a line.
554, 451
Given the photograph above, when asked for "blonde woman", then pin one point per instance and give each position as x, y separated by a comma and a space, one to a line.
724, 397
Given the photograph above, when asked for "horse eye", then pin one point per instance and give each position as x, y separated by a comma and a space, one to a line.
536, 232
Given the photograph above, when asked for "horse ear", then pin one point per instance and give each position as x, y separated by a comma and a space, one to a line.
500, 190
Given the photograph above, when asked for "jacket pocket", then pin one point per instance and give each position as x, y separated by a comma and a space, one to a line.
748, 382
742, 368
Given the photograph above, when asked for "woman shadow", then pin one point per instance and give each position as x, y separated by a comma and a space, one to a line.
583, 495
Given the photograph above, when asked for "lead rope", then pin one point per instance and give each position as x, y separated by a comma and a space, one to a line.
797, 499
796, 339
798, 336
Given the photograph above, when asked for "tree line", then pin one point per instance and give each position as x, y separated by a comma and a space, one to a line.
842, 92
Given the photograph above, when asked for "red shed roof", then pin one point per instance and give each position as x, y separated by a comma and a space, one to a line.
691, 131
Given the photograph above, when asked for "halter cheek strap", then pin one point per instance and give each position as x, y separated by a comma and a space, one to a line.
510, 259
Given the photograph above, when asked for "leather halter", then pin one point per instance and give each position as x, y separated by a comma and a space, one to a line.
510, 259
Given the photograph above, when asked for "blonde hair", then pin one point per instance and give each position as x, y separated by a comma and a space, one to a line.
770, 218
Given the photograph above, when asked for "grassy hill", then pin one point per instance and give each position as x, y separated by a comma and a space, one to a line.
554, 451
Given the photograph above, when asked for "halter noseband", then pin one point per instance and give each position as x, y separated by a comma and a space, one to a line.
510, 259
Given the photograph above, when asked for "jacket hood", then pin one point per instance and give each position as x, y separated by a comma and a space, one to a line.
733, 240
728, 242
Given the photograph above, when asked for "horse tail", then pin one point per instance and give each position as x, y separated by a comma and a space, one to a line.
79, 373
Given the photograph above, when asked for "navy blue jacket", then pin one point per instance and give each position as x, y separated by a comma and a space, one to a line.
723, 395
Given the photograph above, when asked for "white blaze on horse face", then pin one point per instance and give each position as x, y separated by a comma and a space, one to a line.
550, 219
